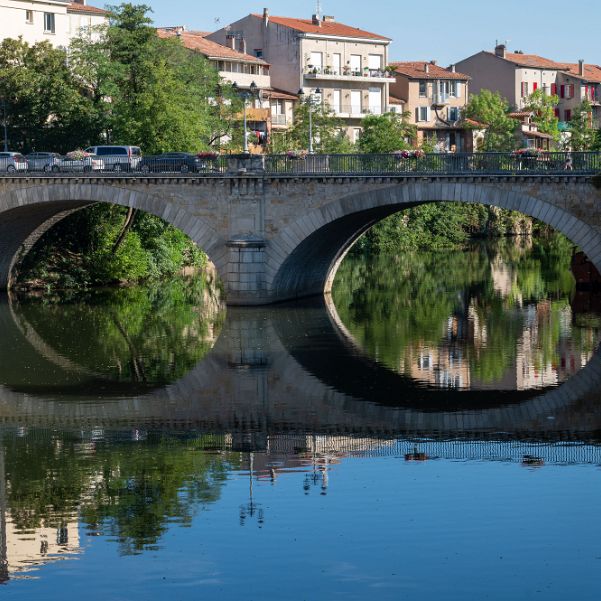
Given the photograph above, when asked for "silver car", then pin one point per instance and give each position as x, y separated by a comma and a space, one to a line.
12, 161
42, 161
117, 158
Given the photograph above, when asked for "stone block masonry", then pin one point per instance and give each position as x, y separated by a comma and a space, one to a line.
280, 237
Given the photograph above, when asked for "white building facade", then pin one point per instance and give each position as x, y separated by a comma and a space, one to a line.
54, 21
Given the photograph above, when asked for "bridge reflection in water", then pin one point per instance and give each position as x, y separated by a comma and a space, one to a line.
289, 369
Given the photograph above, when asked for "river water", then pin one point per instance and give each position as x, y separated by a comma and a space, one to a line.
431, 431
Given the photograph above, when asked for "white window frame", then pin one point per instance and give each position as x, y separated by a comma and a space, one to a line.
423, 83
336, 104
29, 17
337, 63
423, 111
316, 61
357, 95
49, 23
355, 67
374, 62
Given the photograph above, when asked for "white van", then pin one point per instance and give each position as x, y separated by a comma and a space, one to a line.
117, 158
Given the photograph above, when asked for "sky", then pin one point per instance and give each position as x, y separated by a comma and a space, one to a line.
434, 30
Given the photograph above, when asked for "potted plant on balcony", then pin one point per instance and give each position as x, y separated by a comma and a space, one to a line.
346, 70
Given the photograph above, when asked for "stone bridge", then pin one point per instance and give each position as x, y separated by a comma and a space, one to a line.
280, 236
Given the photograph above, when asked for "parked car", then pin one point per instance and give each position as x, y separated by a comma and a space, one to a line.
78, 162
118, 158
170, 162
42, 161
12, 161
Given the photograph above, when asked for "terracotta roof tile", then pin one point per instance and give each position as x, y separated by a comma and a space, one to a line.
393, 100
196, 41
591, 72
417, 70
531, 60
331, 28
75, 7
279, 94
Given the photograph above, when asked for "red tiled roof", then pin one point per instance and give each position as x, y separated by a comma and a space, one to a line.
75, 7
393, 100
196, 41
520, 114
279, 94
591, 72
331, 28
417, 70
531, 60
474, 123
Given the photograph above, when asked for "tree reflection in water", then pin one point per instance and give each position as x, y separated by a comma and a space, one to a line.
495, 314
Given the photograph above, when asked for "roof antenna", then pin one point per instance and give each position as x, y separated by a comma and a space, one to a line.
318, 9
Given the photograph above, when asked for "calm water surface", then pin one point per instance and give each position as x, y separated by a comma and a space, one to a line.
431, 432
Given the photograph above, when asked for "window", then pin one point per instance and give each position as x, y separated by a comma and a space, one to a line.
567, 115
553, 89
336, 101
524, 89
49, 23
453, 113
29, 16
423, 113
556, 112
356, 135
355, 64
570, 91
423, 89
259, 52
316, 61
355, 102
337, 63
375, 101
375, 62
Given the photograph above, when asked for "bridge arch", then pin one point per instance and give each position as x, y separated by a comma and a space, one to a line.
27, 213
306, 254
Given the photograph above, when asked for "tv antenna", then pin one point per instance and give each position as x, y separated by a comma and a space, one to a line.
318, 9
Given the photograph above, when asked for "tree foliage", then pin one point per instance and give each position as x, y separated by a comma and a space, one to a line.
582, 134
543, 107
386, 133
328, 131
492, 110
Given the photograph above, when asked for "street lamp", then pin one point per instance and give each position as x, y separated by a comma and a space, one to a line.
4, 123
252, 92
312, 95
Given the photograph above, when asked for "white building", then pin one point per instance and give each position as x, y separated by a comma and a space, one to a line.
55, 21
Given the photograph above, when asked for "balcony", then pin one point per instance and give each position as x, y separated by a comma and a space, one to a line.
367, 75
355, 111
279, 120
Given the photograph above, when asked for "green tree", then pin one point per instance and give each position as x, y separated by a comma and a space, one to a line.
492, 111
328, 131
543, 108
386, 133
46, 108
582, 134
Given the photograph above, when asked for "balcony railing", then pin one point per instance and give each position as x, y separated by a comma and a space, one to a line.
348, 72
279, 119
356, 110
405, 164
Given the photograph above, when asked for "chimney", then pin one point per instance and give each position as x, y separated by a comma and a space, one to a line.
581, 68
501, 50
452, 68
433, 63
328, 19
427, 68
230, 41
243, 45
316, 20
266, 16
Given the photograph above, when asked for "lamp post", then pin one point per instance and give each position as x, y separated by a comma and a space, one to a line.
245, 95
312, 94
4, 123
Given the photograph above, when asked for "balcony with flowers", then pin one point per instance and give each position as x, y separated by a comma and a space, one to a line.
366, 74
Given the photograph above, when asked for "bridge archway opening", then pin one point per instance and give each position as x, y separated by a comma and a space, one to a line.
310, 265
44, 212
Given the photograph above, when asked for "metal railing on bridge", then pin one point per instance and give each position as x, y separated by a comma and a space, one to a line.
406, 163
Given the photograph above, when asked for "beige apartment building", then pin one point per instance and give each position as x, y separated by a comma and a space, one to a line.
337, 64
54, 21
516, 75
435, 98
271, 110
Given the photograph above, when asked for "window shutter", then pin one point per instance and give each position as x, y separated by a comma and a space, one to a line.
534, 86
458, 89
562, 92
553, 89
